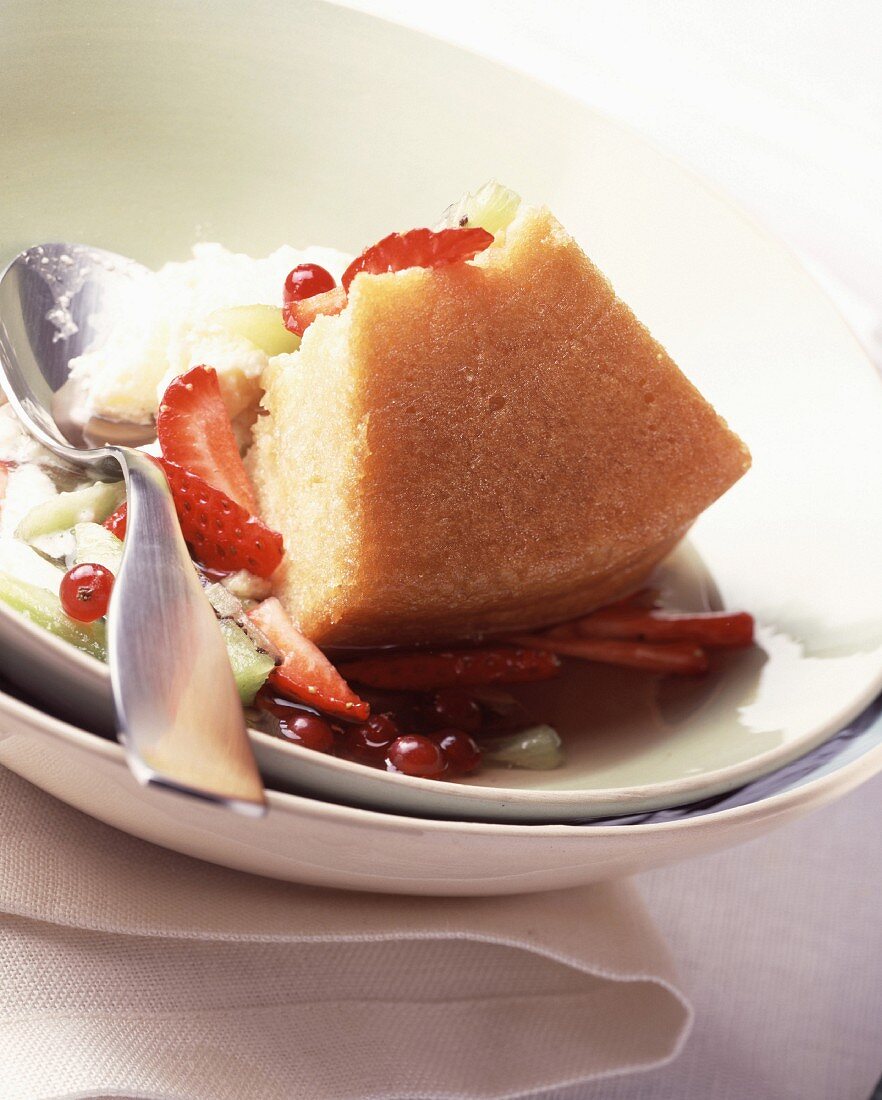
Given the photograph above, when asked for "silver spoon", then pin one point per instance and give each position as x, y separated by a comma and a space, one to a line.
178, 711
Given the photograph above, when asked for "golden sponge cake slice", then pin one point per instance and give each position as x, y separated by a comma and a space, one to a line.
478, 448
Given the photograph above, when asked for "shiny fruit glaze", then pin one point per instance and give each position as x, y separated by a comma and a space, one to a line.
436, 670
369, 741
432, 707
307, 730
455, 708
85, 592
305, 281
416, 755
380, 742
460, 750
295, 722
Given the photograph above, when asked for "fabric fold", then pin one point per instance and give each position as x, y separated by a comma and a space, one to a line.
132, 970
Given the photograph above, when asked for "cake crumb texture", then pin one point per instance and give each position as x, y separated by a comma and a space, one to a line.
481, 447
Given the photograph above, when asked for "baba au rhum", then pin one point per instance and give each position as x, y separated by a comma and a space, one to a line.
479, 448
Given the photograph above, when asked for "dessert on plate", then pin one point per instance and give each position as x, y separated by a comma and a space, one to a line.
484, 446
448, 463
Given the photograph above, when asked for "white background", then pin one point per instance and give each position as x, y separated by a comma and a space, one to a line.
780, 104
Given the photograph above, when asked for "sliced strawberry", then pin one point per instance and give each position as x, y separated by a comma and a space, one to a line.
220, 533
418, 248
682, 658
298, 316
432, 670
116, 521
305, 673
195, 432
711, 628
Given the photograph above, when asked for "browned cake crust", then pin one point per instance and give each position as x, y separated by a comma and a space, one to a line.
479, 448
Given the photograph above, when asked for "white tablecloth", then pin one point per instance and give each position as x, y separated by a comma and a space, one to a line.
128, 970
779, 942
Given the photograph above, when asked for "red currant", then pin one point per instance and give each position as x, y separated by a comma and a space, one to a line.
296, 723
455, 708
369, 741
413, 754
461, 752
305, 281
307, 730
85, 592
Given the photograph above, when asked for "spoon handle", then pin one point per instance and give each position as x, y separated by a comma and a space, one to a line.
178, 710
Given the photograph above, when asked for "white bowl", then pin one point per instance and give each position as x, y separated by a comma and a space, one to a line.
324, 844
260, 124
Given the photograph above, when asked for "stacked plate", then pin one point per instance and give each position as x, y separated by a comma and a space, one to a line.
656, 770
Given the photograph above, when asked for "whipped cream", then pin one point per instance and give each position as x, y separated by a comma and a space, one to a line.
164, 328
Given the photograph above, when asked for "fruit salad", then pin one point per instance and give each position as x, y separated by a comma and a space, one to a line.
191, 364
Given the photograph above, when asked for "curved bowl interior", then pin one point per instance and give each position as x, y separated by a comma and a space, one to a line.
323, 844
164, 124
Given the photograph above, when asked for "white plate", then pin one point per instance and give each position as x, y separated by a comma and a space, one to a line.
324, 844
324, 125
